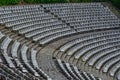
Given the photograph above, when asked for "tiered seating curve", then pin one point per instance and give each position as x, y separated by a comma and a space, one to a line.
14, 56
97, 50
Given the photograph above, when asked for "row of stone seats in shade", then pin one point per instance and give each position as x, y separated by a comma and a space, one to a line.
73, 73
18, 61
99, 51
33, 21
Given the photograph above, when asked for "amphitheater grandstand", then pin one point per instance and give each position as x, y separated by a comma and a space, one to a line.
59, 41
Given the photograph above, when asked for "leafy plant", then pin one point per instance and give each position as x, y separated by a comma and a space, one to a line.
9, 2
116, 3
46, 1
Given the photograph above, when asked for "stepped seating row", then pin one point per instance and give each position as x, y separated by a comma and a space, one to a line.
11, 74
69, 9
23, 19
96, 50
3, 75
73, 5
87, 37
86, 11
99, 51
17, 56
19, 7
85, 19
34, 23
79, 11
73, 73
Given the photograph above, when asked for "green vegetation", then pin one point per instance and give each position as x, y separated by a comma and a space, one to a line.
116, 3
9, 2
46, 1
56, 1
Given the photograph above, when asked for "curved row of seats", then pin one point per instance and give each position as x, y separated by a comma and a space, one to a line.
34, 22
11, 74
73, 73
85, 17
76, 5
46, 22
96, 50
15, 55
